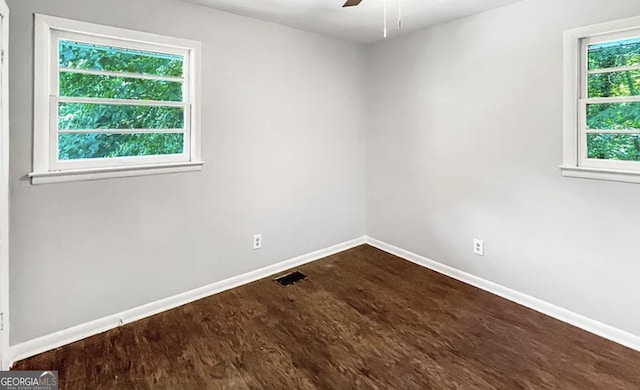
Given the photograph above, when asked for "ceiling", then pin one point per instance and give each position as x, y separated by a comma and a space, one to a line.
362, 23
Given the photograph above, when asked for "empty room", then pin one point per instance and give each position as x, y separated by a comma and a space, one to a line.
313, 194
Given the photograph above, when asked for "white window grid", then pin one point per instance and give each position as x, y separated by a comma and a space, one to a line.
47, 168
55, 99
584, 101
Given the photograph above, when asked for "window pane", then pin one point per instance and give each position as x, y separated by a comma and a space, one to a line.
85, 146
614, 54
87, 56
614, 84
613, 116
84, 116
108, 87
621, 147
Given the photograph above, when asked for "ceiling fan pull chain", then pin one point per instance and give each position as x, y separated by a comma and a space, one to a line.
385, 19
399, 15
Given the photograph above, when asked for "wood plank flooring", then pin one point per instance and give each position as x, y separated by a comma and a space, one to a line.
364, 319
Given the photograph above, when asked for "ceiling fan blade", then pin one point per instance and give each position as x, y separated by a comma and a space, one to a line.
351, 3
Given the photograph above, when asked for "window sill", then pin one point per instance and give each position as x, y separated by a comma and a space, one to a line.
601, 174
112, 172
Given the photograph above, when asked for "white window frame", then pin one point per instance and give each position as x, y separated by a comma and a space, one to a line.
575, 158
47, 168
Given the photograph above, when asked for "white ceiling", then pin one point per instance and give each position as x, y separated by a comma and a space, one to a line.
362, 23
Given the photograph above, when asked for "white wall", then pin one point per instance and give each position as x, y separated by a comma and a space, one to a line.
465, 141
283, 127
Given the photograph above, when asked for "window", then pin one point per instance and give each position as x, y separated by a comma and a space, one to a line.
111, 102
602, 102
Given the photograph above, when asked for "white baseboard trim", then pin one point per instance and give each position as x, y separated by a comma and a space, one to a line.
608, 332
54, 340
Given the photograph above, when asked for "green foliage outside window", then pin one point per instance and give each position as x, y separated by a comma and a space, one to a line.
80, 146
111, 87
84, 116
87, 56
622, 147
614, 116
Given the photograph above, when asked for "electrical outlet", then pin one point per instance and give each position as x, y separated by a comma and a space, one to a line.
257, 241
478, 247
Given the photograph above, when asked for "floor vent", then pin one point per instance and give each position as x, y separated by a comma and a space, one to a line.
290, 278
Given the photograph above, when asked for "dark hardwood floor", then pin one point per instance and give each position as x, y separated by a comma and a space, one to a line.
363, 319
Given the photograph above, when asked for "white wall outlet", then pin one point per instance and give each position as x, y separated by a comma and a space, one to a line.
257, 241
478, 247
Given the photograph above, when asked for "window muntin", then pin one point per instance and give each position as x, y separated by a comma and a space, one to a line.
609, 113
